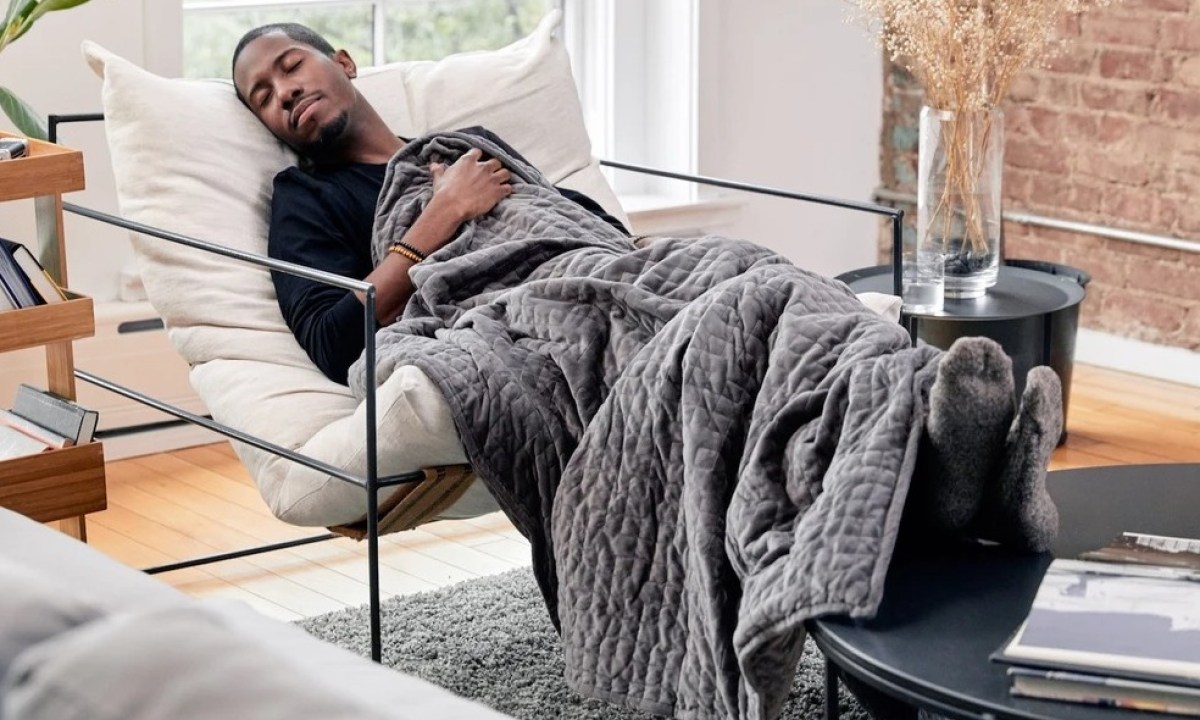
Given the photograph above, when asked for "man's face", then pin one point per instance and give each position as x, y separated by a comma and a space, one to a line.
302, 95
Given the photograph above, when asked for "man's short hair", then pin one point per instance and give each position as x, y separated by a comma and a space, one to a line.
296, 31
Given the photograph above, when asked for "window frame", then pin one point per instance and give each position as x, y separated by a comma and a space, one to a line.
637, 69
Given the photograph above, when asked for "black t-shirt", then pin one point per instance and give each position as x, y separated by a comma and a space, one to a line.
322, 218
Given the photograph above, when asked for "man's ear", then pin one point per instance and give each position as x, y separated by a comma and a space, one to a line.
341, 57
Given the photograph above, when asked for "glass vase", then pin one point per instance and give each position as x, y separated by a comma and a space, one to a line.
959, 175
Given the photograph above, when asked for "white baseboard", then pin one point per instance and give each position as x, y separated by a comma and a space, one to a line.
1180, 365
653, 215
148, 442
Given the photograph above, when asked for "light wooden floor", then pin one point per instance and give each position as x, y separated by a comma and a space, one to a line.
200, 501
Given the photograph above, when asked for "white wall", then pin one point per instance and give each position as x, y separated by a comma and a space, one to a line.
790, 96
46, 69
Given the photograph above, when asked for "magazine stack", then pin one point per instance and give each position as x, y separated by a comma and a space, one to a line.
1119, 627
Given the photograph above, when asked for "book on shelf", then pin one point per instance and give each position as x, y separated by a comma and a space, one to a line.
35, 431
15, 444
17, 293
1133, 630
55, 413
26, 282
13, 282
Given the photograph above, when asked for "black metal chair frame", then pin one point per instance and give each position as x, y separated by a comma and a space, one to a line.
370, 481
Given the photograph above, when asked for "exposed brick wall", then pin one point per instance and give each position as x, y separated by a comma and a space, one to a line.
1109, 133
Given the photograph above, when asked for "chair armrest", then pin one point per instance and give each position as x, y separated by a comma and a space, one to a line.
896, 215
371, 478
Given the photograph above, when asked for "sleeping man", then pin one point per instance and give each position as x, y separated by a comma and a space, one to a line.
321, 215
705, 444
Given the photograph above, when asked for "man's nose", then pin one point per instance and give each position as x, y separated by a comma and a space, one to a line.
290, 95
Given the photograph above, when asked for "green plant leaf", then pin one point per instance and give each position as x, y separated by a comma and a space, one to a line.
62, 4
24, 117
46, 6
17, 8
18, 28
26, 15
20, 23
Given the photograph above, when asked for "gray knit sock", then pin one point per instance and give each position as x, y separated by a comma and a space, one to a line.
970, 410
1018, 512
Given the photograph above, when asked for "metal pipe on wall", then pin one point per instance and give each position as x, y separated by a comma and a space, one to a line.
1024, 218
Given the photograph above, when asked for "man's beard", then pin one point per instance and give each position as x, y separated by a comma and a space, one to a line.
325, 146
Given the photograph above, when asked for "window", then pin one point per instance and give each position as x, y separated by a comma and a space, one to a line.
636, 66
373, 31
635, 60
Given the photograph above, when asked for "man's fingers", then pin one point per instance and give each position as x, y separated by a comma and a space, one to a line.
437, 168
472, 154
493, 164
502, 175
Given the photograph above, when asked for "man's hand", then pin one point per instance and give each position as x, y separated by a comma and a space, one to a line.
470, 187
462, 192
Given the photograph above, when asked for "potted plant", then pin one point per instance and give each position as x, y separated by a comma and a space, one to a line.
965, 54
19, 18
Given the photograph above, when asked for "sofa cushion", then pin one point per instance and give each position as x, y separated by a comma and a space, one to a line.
34, 609
107, 583
212, 660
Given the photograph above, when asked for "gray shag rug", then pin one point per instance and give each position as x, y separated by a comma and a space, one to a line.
491, 640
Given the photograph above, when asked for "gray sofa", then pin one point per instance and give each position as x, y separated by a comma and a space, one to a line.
82, 636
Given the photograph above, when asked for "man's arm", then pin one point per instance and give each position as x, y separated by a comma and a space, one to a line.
469, 188
326, 320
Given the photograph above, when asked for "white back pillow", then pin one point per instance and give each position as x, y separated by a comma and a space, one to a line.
189, 158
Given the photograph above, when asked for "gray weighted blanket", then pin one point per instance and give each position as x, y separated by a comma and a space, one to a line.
705, 444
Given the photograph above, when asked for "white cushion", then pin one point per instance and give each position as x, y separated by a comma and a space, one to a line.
328, 425
189, 158
212, 660
33, 609
109, 585
883, 304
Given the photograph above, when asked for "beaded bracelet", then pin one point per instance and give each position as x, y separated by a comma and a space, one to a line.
407, 251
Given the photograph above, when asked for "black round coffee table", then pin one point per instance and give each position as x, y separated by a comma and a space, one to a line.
942, 617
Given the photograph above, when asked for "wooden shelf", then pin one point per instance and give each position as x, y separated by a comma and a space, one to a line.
56, 484
46, 324
47, 169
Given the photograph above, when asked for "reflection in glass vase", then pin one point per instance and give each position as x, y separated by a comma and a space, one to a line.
960, 165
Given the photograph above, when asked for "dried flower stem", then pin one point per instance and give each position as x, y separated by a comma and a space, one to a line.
966, 160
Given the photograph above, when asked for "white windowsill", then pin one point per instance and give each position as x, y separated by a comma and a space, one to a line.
657, 215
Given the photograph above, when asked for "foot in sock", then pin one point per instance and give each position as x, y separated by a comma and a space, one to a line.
970, 411
1018, 512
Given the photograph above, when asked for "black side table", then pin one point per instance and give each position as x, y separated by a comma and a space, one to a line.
1033, 315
